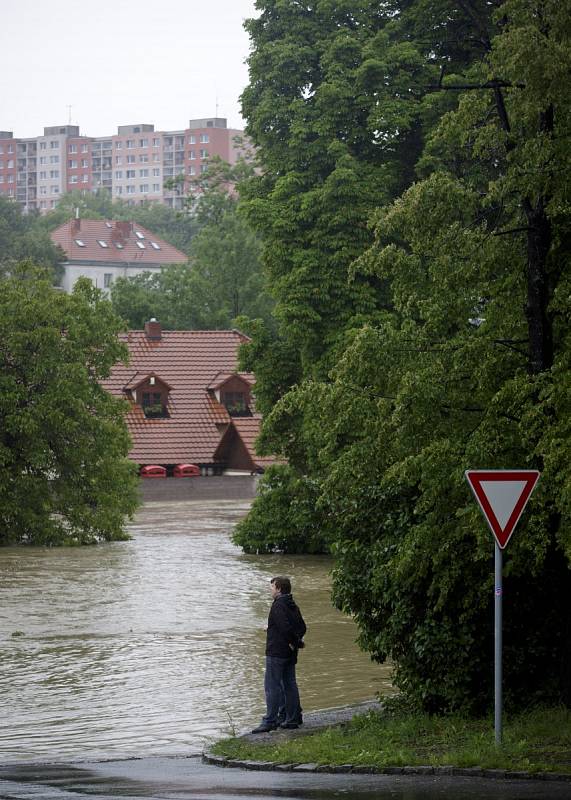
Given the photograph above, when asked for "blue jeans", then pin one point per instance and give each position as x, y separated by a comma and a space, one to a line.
279, 681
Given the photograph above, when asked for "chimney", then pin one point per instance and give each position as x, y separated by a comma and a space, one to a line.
75, 225
153, 330
123, 229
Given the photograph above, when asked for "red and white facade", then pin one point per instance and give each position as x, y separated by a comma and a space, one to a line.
132, 165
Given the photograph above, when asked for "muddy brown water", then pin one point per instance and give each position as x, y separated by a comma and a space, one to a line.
155, 646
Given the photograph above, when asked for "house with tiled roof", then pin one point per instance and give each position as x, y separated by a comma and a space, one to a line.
188, 401
104, 250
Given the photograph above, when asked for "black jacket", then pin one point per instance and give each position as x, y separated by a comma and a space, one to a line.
285, 627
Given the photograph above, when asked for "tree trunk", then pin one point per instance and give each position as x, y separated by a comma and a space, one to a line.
538, 294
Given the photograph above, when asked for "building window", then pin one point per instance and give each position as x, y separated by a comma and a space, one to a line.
143, 142
118, 190
143, 158
118, 174
155, 246
43, 160
85, 148
192, 170
130, 189
118, 145
54, 173
140, 245
43, 189
43, 175
156, 157
130, 143
130, 173
84, 178
130, 159
204, 138
156, 187
144, 188
73, 179
72, 164
54, 145
107, 279
11, 164
156, 142
54, 159
72, 148
156, 172
118, 161
203, 168
153, 404
55, 190
143, 173
192, 154
204, 154
101, 243
192, 139
80, 243
84, 163
43, 145
235, 403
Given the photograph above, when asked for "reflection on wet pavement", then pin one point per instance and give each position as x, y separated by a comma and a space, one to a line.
154, 646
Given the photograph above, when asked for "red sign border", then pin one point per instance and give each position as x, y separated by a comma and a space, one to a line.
476, 476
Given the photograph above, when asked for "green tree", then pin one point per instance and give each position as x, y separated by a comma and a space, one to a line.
224, 280
464, 362
22, 238
64, 473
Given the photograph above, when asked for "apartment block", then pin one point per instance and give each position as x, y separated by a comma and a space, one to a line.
133, 165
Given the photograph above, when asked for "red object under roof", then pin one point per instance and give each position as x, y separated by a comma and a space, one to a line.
187, 363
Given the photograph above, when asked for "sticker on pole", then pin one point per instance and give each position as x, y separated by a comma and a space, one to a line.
502, 494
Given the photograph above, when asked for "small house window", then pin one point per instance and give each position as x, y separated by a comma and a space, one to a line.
153, 406
235, 403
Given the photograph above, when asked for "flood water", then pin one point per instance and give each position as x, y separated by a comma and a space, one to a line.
155, 646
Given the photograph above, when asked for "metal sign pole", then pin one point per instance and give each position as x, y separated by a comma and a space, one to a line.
498, 645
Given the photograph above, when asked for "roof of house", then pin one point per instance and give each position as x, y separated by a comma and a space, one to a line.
248, 429
99, 240
188, 362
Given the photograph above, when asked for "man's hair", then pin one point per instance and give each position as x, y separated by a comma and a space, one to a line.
282, 584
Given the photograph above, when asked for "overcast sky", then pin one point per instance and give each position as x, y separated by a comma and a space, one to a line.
120, 62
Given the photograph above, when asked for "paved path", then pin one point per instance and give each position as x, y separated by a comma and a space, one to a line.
180, 778
189, 779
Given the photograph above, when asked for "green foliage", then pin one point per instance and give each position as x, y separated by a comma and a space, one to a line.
224, 280
283, 518
64, 473
460, 356
23, 238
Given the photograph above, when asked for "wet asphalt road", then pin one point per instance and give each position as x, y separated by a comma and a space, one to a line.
189, 779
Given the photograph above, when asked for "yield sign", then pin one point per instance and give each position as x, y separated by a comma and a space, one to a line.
502, 495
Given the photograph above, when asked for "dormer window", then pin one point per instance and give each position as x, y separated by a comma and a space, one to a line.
236, 404
154, 404
152, 395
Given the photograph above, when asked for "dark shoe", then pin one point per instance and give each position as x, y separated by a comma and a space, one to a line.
290, 726
263, 728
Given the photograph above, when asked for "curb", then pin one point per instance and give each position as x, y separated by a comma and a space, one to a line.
365, 769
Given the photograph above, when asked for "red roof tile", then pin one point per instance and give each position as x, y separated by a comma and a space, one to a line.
248, 429
121, 240
188, 361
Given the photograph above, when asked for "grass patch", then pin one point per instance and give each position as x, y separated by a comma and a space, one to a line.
536, 741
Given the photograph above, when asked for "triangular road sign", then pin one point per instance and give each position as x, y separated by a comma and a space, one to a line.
502, 495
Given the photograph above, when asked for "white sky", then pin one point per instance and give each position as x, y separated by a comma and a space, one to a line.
120, 62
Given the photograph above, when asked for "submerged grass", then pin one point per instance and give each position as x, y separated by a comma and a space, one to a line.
536, 741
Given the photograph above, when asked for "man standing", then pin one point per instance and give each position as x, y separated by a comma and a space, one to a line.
286, 629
